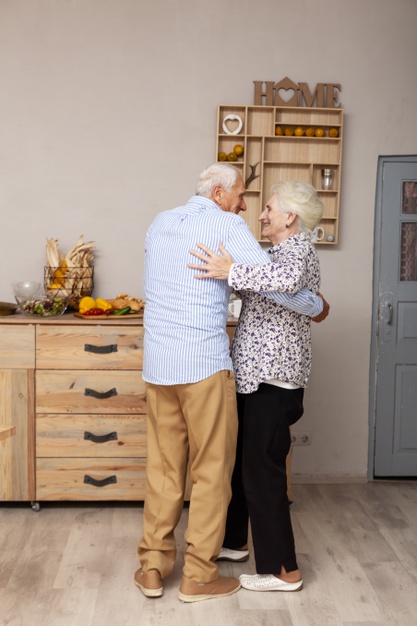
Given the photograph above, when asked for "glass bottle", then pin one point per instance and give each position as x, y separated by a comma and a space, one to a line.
326, 179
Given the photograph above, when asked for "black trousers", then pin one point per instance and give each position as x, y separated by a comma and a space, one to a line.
259, 482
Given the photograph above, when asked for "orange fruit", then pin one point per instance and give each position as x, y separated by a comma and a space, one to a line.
334, 132
238, 150
278, 130
299, 131
231, 156
319, 132
309, 132
289, 131
222, 156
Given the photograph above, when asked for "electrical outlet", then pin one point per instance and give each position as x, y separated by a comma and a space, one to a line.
301, 439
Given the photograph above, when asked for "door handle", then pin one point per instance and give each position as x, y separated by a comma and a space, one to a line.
390, 313
100, 438
386, 316
100, 395
110, 480
88, 347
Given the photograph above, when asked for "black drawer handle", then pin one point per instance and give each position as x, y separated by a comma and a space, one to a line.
101, 395
89, 480
100, 438
88, 347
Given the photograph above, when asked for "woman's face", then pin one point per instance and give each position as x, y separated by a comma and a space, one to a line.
274, 221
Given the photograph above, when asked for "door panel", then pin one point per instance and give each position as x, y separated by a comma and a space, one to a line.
395, 320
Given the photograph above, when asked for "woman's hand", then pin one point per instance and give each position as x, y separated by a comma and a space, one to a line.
215, 265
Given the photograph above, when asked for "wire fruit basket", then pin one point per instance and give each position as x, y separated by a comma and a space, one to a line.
72, 282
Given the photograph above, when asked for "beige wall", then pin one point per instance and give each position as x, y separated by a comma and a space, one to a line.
108, 112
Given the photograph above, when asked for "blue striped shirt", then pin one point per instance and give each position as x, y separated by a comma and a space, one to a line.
185, 319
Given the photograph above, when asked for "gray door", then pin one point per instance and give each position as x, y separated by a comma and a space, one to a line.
394, 332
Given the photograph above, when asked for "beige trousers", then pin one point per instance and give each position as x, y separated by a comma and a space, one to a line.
193, 424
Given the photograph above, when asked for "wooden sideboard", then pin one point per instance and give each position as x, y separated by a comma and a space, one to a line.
72, 409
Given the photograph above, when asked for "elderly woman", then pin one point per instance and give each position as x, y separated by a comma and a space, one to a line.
271, 354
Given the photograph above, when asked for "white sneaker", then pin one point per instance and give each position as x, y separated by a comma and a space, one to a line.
237, 556
268, 582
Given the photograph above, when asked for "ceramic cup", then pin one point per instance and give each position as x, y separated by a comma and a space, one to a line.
235, 307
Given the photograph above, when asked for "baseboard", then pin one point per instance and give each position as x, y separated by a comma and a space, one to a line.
322, 479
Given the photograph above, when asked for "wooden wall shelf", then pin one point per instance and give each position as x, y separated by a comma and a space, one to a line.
284, 157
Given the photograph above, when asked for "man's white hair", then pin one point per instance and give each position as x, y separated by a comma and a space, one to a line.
217, 174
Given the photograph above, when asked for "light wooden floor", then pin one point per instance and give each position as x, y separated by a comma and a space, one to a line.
73, 565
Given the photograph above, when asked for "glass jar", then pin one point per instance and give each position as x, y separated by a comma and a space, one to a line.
326, 179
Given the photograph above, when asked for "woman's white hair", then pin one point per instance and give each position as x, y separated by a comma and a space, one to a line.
216, 174
299, 198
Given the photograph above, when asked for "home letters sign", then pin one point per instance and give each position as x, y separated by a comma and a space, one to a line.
290, 94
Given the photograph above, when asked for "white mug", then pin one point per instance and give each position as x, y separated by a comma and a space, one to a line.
317, 234
235, 307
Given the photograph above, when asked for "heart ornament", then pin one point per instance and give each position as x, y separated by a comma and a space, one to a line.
232, 118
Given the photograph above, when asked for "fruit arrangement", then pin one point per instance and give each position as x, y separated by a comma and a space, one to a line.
300, 131
237, 152
122, 305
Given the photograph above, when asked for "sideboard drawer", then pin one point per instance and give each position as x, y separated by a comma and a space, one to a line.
90, 479
89, 348
75, 391
95, 436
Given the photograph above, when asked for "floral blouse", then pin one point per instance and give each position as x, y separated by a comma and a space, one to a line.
271, 341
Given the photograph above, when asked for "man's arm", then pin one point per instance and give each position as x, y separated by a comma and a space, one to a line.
304, 302
322, 316
244, 249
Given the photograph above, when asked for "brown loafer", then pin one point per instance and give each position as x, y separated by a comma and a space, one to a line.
191, 591
150, 583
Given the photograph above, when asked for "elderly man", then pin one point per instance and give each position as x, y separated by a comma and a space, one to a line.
190, 387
